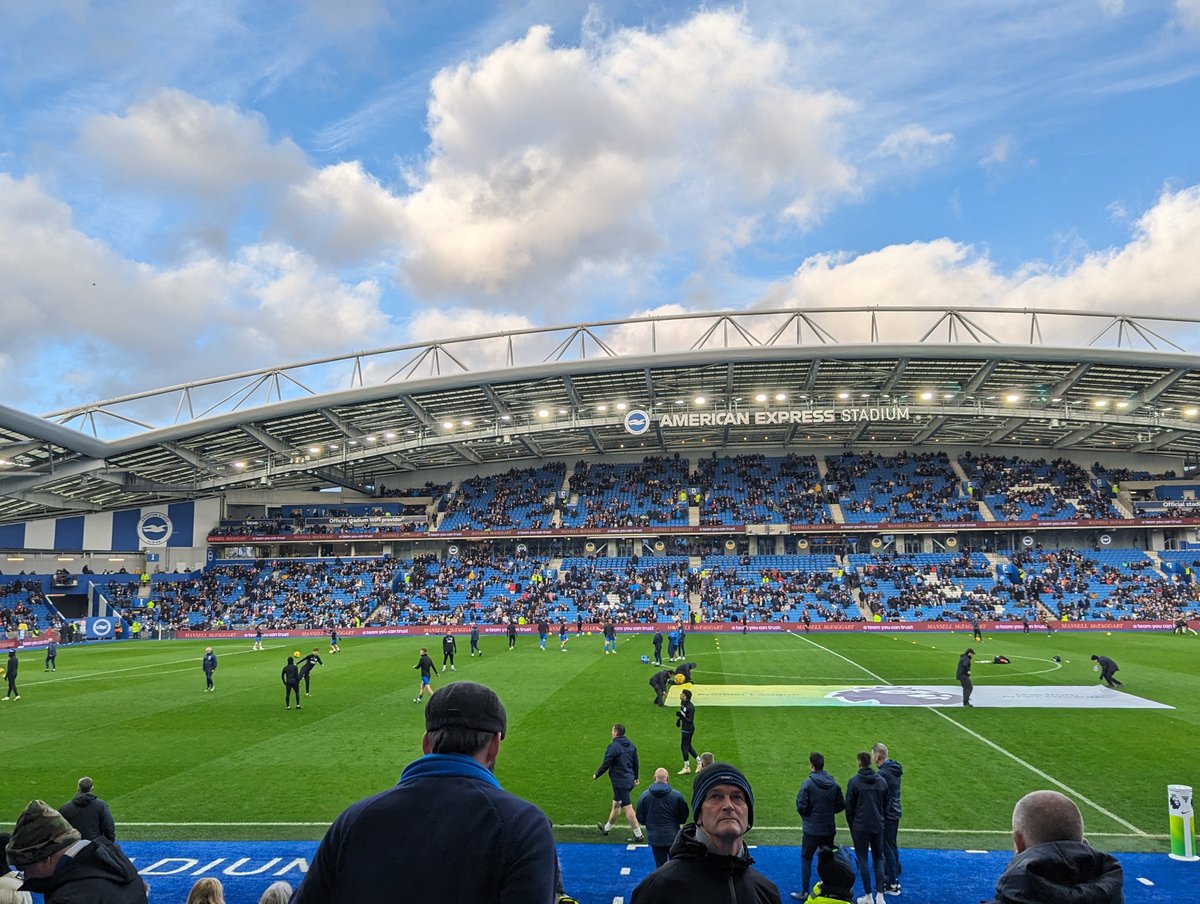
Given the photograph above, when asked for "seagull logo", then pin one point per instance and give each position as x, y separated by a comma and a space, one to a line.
154, 529
637, 422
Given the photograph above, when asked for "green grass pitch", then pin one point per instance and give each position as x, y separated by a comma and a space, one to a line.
177, 763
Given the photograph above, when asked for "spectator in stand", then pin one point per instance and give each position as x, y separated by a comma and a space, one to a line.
1053, 862
503, 845
866, 804
818, 802
661, 810
276, 893
708, 858
90, 815
63, 867
837, 878
10, 880
207, 891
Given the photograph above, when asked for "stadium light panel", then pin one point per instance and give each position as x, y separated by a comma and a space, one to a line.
621, 406
543, 413
1101, 403
1012, 397
926, 396
1190, 412
781, 397
761, 397
448, 425
843, 395
700, 400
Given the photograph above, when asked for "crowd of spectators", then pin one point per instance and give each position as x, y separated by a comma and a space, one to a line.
1017, 489
519, 497
755, 489
904, 488
607, 495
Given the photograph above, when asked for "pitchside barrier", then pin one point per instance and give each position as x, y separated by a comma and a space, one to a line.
639, 628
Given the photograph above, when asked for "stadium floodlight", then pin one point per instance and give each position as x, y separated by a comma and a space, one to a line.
239, 464
621, 406
1190, 412
1122, 404
315, 450
947, 395
1012, 397
926, 396
843, 395
467, 422
448, 425
1101, 403
700, 400
602, 407
781, 397
542, 412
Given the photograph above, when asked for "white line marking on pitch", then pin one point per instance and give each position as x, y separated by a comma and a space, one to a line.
790, 828
89, 676
1012, 756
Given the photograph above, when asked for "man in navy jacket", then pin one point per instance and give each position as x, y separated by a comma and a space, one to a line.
621, 764
818, 803
866, 804
662, 810
448, 804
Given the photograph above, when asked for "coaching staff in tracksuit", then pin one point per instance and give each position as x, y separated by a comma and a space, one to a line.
893, 774
659, 681
963, 675
1108, 670
449, 648
11, 673
818, 802
291, 682
866, 804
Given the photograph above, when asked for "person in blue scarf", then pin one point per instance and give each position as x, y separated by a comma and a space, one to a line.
446, 804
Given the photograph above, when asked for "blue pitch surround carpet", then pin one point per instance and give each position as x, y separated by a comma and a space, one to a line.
601, 873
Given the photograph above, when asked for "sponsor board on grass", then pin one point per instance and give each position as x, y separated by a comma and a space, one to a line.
1040, 697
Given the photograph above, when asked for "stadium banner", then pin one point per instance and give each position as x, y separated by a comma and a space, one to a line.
701, 628
994, 696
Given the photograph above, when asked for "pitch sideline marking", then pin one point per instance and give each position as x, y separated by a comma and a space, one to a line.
252, 825
1012, 756
88, 676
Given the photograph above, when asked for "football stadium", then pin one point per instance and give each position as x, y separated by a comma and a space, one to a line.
804, 517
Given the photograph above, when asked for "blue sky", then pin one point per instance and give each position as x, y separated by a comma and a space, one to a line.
190, 189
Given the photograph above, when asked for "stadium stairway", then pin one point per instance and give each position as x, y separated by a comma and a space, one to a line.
836, 513
609, 872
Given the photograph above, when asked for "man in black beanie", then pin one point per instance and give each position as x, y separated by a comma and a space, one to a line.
708, 854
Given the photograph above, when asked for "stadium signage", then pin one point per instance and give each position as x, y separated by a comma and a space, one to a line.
786, 416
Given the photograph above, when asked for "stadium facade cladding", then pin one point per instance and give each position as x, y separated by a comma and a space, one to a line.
1122, 388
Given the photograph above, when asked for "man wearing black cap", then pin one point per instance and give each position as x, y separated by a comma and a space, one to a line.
448, 804
63, 867
709, 856
963, 675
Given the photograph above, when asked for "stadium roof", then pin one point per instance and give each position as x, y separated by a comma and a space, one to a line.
797, 379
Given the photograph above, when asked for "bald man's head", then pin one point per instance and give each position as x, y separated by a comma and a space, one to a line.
662, 776
1043, 816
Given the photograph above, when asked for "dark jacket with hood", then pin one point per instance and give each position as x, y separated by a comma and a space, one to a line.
98, 873
696, 875
661, 810
621, 763
866, 801
892, 773
819, 801
1065, 872
90, 816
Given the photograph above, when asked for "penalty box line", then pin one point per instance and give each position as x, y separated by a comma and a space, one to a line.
990, 743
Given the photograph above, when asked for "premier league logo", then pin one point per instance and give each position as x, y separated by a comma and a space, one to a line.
637, 422
154, 529
894, 696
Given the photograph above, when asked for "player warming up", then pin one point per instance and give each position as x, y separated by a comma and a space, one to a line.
425, 664
306, 667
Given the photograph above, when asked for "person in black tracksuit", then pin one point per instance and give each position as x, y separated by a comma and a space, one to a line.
306, 667
658, 647
512, 633
659, 681
11, 674
685, 719
291, 682
475, 639
1108, 670
449, 648
866, 806
685, 669
963, 675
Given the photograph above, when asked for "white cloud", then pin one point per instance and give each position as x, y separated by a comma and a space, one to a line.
1002, 153
71, 305
547, 159
1156, 273
915, 145
1187, 13
176, 142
